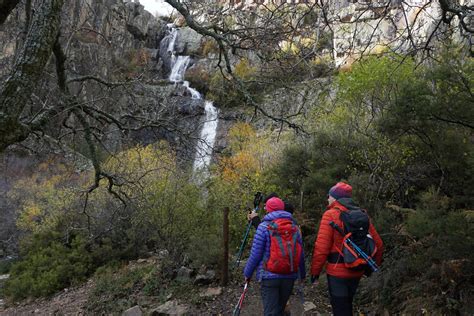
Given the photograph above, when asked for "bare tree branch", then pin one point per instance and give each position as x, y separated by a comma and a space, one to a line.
463, 12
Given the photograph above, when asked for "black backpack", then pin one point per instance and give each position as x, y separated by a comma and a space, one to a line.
356, 227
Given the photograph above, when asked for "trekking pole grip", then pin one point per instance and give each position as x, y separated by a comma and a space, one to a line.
336, 227
257, 200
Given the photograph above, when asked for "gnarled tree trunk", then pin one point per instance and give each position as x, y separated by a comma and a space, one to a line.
6, 6
27, 72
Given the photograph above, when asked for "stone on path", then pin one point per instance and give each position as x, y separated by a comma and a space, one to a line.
170, 308
309, 306
184, 274
134, 311
212, 291
204, 279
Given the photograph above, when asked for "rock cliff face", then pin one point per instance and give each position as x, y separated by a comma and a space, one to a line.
104, 30
373, 27
119, 42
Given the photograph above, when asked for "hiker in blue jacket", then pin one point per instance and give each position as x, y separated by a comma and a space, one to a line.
276, 287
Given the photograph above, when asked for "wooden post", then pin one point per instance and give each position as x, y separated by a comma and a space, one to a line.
301, 200
225, 234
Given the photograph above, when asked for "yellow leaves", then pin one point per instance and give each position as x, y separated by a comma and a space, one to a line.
209, 47
47, 201
296, 45
251, 155
44, 204
379, 49
289, 47
244, 70
241, 165
142, 163
241, 135
30, 217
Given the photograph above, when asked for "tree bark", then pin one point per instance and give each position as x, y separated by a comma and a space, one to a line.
27, 72
6, 7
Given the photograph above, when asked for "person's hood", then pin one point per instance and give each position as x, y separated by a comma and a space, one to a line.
346, 203
349, 203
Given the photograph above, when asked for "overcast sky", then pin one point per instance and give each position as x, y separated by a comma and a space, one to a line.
154, 6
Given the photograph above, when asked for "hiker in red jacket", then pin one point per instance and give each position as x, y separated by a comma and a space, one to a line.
342, 281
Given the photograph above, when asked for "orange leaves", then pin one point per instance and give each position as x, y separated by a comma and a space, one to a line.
241, 165
250, 155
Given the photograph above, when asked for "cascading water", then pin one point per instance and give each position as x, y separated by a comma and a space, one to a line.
207, 138
205, 145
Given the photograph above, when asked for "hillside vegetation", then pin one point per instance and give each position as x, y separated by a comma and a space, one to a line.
398, 127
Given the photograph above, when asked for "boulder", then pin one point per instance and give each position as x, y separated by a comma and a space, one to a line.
170, 308
163, 254
205, 279
184, 274
188, 42
134, 311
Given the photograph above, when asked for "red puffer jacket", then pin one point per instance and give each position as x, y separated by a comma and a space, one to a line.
329, 241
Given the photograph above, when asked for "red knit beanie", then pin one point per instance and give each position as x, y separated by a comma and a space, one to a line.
274, 204
341, 190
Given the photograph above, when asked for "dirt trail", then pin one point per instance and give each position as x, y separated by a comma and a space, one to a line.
253, 303
73, 302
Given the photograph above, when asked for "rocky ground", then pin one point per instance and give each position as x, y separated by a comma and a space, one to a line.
220, 301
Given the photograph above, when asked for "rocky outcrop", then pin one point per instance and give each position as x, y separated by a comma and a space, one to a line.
189, 42
184, 275
96, 30
376, 27
206, 278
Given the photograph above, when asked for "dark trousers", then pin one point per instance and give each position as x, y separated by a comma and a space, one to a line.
275, 294
341, 294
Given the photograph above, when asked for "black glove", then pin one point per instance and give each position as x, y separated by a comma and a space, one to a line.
314, 278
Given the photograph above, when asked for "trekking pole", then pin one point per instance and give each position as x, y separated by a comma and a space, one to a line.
256, 202
238, 307
242, 245
359, 251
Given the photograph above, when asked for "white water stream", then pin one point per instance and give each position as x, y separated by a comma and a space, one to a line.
205, 144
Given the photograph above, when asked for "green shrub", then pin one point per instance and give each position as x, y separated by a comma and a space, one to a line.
49, 268
5, 265
228, 93
117, 288
208, 252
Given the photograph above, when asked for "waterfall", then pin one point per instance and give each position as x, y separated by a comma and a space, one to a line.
178, 68
207, 137
173, 35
